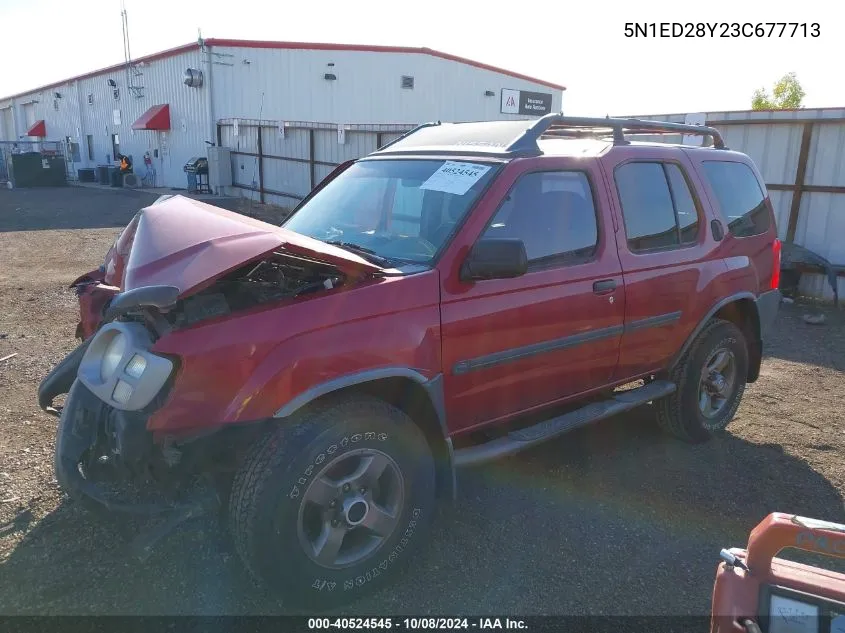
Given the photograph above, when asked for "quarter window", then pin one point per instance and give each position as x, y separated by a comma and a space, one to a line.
552, 213
657, 206
740, 197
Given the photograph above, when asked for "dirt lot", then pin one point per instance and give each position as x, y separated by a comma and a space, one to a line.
614, 519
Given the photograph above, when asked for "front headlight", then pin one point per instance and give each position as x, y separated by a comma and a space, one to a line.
119, 368
112, 355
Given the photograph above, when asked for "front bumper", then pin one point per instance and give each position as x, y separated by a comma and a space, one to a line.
60, 379
89, 429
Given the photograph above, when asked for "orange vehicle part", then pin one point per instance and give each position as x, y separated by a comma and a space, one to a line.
746, 575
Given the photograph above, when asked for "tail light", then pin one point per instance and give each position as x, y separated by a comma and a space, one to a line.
775, 264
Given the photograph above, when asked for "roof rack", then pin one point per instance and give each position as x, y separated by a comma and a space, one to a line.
407, 134
513, 138
559, 126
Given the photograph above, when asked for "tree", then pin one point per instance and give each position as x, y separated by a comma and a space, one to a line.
787, 93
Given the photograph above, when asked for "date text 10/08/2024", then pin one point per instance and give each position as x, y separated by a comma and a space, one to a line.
723, 29
421, 624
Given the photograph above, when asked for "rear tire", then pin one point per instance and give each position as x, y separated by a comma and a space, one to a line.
334, 503
711, 379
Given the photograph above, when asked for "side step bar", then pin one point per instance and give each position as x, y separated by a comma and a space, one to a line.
524, 438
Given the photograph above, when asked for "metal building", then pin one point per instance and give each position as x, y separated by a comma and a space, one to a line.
164, 109
801, 155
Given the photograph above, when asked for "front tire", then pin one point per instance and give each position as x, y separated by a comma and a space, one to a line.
332, 504
711, 379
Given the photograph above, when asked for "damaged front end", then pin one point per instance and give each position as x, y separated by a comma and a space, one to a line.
176, 267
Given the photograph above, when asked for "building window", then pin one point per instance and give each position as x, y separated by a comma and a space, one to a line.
740, 197
116, 93
115, 145
553, 214
657, 206
89, 142
407, 82
56, 104
90, 99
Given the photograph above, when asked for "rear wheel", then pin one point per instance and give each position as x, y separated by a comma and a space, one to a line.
334, 503
711, 379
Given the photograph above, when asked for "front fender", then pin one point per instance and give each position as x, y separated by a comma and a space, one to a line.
248, 367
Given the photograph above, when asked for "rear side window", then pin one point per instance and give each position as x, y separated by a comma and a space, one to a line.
740, 197
657, 206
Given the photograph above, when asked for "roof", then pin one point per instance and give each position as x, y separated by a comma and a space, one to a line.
310, 46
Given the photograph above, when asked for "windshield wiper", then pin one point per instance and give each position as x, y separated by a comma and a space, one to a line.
363, 251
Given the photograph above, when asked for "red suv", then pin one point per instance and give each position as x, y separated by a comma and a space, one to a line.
463, 293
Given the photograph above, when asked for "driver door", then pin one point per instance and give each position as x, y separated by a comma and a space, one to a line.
513, 345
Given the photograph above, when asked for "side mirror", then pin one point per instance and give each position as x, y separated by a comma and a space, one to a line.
495, 258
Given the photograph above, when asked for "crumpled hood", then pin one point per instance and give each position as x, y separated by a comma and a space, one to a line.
186, 243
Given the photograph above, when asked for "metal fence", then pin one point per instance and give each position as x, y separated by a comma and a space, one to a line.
282, 161
45, 148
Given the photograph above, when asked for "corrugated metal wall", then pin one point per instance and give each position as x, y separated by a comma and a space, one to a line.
72, 115
266, 84
774, 140
367, 89
162, 83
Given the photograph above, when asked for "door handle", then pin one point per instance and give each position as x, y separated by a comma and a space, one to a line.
604, 286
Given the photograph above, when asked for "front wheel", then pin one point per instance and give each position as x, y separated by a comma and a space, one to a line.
332, 504
711, 380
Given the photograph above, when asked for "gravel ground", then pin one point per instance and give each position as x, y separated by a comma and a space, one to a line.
613, 519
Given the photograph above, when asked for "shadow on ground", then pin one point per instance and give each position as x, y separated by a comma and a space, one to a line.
616, 514
72, 207
69, 208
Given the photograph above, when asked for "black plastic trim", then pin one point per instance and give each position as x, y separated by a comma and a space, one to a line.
718, 306
61, 378
152, 296
433, 388
521, 439
526, 351
336, 384
655, 321
79, 426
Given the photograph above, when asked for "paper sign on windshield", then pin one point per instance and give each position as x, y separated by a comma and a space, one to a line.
454, 177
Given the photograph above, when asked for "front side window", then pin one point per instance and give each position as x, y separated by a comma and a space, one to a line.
552, 212
740, 197
657, 206
398, 210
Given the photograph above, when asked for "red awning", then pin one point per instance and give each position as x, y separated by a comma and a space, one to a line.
156, 118
38, 129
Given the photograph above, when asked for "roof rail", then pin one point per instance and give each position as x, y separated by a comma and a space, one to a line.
559, 126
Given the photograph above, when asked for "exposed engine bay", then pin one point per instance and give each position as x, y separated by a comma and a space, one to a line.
280, 276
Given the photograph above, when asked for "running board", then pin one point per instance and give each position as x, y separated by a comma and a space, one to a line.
546, 430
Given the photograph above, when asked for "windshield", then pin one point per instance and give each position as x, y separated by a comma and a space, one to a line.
394, 210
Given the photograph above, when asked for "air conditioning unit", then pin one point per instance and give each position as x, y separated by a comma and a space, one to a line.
131, 181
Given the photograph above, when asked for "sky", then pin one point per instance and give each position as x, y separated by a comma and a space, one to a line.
581, 45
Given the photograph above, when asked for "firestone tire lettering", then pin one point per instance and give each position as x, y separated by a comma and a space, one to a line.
309, 470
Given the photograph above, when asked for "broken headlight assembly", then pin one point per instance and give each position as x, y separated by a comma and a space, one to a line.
119, 368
